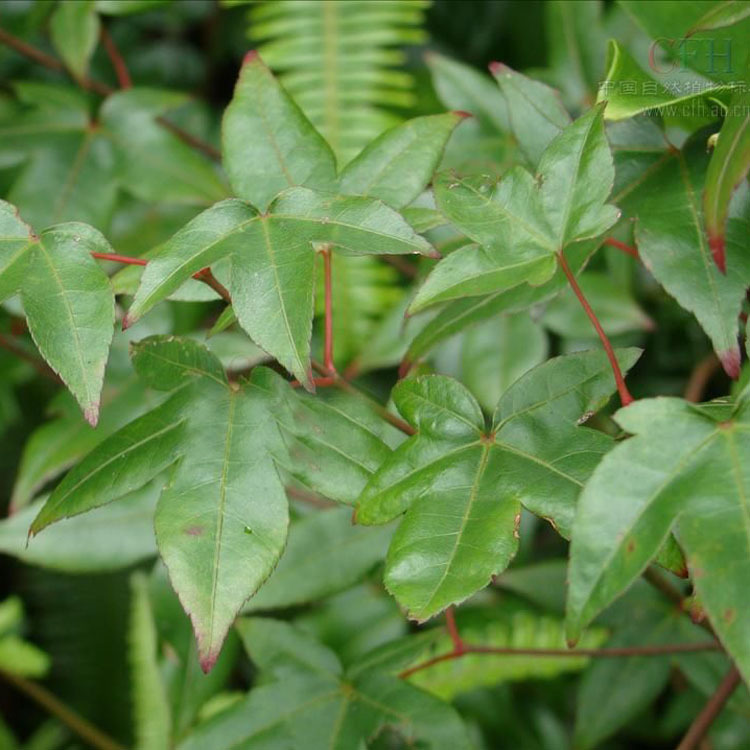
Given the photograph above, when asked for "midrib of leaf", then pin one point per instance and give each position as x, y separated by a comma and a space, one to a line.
351, 696
482, 274
544, 241
179, 365
13, 258
334, 448
75, 171
689, 456
391, 161
277, 289
117, 456
477, 305
71, 320
569, 193
353, 421
203, 251
337, 222
220, 515
725, 166
531, 102
346, 696
553, 397
450, 454
539, 461
708, 265
281, 720
433, 405
464, 520
260, 109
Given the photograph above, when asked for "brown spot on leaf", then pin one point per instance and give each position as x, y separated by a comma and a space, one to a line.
630, 547
194, 530
729, 615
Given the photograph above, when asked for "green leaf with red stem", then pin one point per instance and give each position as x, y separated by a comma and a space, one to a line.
273, 260
461, 314
722, 14
522, 222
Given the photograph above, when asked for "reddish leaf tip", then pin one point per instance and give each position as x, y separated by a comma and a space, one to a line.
91, 414
434, 254
250, 57
126, 322
497, 67
730, 361
208, 660
404, 368
462, 113
718, 251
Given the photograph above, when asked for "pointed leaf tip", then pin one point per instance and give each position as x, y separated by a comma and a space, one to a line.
250, 57
718, 251
497, 67
91, 414
730, 361
207, 661
462, 113
127, 321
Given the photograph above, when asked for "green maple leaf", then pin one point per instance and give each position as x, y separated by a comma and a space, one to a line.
461, 484
277, 160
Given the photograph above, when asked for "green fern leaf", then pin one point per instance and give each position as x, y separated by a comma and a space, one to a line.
338, 61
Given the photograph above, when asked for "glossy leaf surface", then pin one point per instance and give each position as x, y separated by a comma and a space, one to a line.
462, 486
221, 523
70, 309
521, 222
620, 526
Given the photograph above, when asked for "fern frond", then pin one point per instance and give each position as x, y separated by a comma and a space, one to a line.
338, 60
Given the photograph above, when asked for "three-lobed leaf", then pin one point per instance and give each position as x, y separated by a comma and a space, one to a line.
461, 485
273, 260
523, 222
